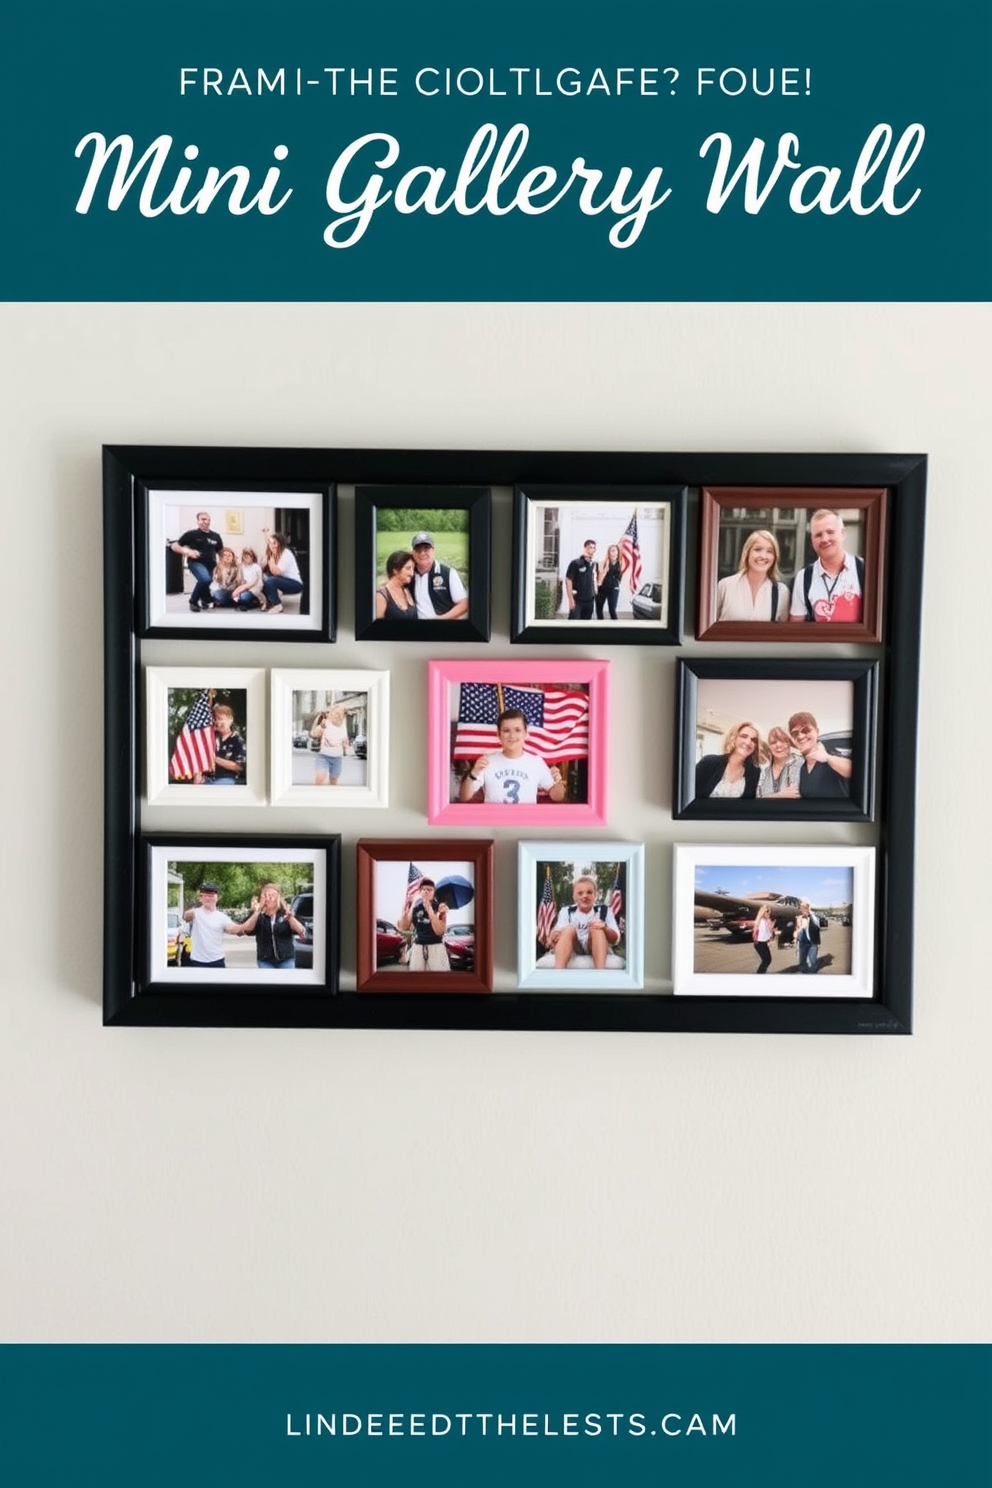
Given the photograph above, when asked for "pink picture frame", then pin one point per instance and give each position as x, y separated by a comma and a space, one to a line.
464, 699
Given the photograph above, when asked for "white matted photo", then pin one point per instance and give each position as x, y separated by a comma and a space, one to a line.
580, 916
604, 561
799, 918
330, 738
205, 736
224, 558
236, 915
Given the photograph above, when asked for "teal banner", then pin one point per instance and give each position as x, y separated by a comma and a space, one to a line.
616, 150
462, 1416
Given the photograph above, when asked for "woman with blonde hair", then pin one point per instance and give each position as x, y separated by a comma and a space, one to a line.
274, 927
779, 778
329, 728
735, 772
755, 591
762, 935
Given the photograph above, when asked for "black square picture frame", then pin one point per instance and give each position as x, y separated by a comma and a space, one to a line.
458, 520
598, 564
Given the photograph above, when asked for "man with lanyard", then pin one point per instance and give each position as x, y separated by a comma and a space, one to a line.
200, 547
429, 918
438, 589
580, 583
831, 588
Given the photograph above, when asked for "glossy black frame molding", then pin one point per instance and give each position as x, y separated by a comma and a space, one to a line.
163, 1004
890, 1011
231, 474
858, 806
478, 503
599, 632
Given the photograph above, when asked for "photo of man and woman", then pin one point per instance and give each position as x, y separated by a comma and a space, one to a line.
231, 918
770, 558
421, 563
597, 561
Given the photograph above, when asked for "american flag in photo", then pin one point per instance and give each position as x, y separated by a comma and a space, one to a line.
414, 879
616, 901
630, 553
194, 748
557, 721
547, 910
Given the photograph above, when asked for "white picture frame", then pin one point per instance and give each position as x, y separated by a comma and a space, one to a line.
241, 518
724, 882
298, 694
160, 682
534, 973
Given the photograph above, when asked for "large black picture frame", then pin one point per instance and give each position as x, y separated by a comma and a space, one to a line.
902, 475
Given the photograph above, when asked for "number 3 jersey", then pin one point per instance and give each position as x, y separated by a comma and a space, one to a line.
515, 782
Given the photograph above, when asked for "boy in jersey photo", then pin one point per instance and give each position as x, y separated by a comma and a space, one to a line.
585, 927
513, 777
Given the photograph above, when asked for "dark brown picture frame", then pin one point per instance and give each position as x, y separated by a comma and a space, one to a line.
714, 500
369, 852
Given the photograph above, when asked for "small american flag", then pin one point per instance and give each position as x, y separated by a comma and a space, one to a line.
194, 748
630, 553
616, 901
547, 910
557, 721
413, 881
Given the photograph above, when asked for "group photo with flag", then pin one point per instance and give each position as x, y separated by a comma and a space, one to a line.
596, 560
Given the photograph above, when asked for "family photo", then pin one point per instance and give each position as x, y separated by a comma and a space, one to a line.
225, 559
768, 561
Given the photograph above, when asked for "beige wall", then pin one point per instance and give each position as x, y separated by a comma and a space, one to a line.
226, 1185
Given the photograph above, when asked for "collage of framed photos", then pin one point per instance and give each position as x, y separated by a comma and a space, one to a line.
740, 631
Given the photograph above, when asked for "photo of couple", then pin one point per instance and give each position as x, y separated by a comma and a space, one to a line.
421, 564
594, 560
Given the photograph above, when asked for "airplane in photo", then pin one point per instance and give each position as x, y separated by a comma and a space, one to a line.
722, 910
